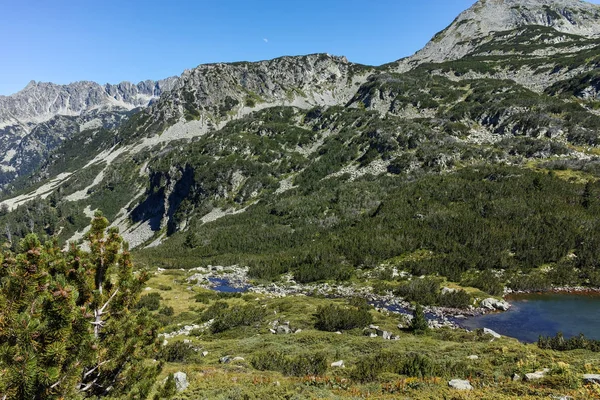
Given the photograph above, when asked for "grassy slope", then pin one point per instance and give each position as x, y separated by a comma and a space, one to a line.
491, 374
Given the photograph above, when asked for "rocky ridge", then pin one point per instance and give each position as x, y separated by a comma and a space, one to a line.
40, 117
489, 16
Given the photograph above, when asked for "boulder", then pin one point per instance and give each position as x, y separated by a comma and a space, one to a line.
204, 353
238, 359
491, 332
591, 378
537, 375
225, 360
516, 377
181, 382
283, 330
447, 290
338, 364
460, 384
387, 335
473, 357
493, 304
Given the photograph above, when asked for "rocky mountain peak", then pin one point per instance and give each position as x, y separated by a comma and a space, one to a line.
486, 16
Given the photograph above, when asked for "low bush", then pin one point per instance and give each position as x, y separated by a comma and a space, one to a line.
559, 343
233, 317
369, 368
456, 299
333, 318
149, 301
302, 365
176, 352
213, 311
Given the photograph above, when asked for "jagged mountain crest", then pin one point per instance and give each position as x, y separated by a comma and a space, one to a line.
486, 16
40, 101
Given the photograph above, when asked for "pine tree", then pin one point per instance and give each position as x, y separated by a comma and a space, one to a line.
68, 323
419, 323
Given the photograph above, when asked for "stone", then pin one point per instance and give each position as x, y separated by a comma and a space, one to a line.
516, 377
238, 359
204, 353
181, 382
373, 335
491, 332
493, 304
447, 290
225, 360
460, 384
387, 335
591, 378
338, 364
534, 376
473, 357
283, 330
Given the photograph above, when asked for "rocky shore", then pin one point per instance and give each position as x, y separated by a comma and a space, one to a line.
235, 278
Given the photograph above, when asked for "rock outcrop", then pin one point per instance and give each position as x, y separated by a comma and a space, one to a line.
473, 26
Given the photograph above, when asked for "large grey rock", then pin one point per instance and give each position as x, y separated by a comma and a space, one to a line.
534, 376
592, 378
338, 364
493, 304
181, 381
283, 330
491, 332
460, 384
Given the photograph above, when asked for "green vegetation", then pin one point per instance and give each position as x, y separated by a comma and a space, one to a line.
333, 318
69, 328
575, 343
418, 324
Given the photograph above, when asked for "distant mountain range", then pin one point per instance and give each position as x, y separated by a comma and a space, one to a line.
508, 82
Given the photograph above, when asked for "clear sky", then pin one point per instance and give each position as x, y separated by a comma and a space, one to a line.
62, 41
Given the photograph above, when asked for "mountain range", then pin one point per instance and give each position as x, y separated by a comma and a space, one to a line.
302, 149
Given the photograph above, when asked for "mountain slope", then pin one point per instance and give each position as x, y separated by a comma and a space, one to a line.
252, 162
37, 119
487, 16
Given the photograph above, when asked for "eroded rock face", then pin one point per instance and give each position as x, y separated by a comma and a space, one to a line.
486, 16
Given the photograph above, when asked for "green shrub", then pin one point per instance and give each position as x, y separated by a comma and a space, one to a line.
456, 299
425, 291
418, 324
214, 311
302, 365
176, 352
559, 343
368, 368
149, 301
486, 281
237, 316
333, 318
167, 311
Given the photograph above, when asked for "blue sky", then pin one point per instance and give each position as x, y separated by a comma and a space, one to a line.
111, 41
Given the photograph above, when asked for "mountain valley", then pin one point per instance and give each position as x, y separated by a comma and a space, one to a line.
446, 179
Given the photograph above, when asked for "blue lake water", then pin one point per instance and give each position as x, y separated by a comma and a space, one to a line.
223, 285
533, 315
